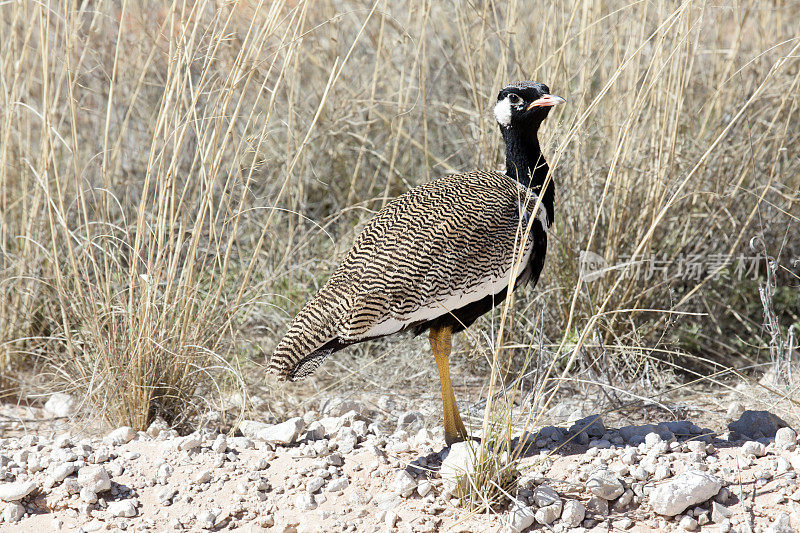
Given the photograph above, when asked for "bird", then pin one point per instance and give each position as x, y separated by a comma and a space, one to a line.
439, 256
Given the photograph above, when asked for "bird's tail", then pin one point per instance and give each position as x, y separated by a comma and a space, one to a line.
312, 336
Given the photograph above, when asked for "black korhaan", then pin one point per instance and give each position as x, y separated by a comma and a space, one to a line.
439, 256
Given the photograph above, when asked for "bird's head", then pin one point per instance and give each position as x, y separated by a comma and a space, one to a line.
524, 105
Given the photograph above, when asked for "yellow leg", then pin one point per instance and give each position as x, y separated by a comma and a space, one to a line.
454, 430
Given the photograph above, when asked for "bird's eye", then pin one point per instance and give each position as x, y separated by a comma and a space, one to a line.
514, 99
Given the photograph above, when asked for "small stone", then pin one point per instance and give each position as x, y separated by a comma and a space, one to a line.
13, 512
13, 492
305, 502
315, 431
757, 424
88, 495
122, 509
597, 505
338, 484
189, 443
220, 444
390, 519
315, 484
754, 448
549, 513
61, 405
573, 513
623, 523
544, 495
95, 478
284, 433
604, 484
456, 468
688, 523
719, 513
690, 488
785, 437
206, 519
424, 487
203, 476
61, 471
520, 517
404, 484
156, 427
121, 435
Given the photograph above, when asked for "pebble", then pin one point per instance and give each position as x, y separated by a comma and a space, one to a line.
690, 488
688, 523
719, 513
785, 437
549, 513
94, 478
404, 483
121, 435
604, 484
13, 512
623, 523
122, 508
754, 448
573, 513
13, 492
520, 517
544, 495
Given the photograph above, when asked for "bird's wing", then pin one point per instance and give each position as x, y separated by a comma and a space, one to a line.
433, 250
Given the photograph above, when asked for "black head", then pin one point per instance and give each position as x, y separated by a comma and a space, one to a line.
524, 104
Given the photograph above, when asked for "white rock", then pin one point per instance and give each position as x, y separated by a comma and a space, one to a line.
719, 513
203, 476
220, 444
13, 512
88, 495
189, 442
688, 523
404, 483
690, 488
13, 492
305, 502
95, 478
121, 435
60, 471
549, 513
314, 484
61, 405
122, 508
338, 484
424, 488
622, 523
754, 448
785, 437
206, 519
573, 513
544, 495
520, 517
156, 427
457, 467
604, 484
283, 433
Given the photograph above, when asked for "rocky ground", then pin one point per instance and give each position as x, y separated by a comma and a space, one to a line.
362, 466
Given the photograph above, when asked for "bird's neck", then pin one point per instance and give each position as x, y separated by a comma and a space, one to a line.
525, 163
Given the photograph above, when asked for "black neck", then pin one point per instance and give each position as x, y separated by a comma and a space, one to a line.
525, 163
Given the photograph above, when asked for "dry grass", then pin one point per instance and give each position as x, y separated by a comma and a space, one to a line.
177, 178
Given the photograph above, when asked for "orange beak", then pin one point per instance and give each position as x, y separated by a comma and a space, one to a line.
548, 100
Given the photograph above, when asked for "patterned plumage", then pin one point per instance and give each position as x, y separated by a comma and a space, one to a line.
428, 254
439, 256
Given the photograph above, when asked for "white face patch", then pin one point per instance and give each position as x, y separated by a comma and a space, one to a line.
502, 112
